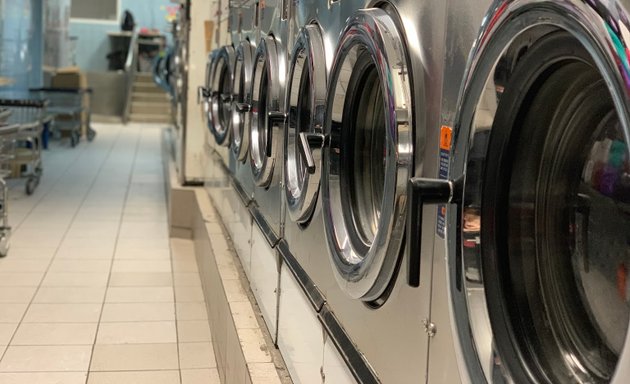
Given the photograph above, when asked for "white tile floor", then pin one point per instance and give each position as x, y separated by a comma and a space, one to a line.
91, 291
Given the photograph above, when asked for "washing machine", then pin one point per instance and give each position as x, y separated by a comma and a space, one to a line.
224, 173
204, 93
242, 181
533, 285
266, 118
179, 84
299, 330
220, 99
364, 140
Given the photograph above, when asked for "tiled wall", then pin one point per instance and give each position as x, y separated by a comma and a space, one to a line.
20, 42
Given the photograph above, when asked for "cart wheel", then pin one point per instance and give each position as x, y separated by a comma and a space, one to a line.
91, 134
31, 183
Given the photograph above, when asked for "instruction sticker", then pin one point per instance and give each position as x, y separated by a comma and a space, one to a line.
446, 142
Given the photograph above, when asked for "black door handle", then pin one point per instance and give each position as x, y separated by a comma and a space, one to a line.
421, 191
275, 119
307, 143
243, 107
202, 94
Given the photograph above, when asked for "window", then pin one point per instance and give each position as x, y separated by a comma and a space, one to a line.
104, 10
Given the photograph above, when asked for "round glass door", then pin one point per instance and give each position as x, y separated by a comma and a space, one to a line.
206, 91
368, 157
304, 129
545, 232
241, 87
221, 94
265, 116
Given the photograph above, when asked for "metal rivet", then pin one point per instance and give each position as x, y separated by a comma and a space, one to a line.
429, 327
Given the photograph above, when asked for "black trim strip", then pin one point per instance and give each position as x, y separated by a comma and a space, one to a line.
264, 226
356, 362
308, 286
247, 200
193, 183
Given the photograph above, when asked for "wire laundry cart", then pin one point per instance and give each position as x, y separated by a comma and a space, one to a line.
21, 151
69, 110
9, 135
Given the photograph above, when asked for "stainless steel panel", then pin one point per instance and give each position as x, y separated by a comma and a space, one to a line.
398, 324
508, 27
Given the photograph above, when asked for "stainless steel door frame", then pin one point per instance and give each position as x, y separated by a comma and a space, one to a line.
266, 112
365, 260
222, 78
241, 104
304, 139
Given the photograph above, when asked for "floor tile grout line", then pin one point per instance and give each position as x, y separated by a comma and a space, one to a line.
52, 187
179, 366
122, 218
120, 221
206, 321
83, 151
58, 246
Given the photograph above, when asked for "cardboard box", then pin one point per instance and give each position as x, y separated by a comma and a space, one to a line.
73, 78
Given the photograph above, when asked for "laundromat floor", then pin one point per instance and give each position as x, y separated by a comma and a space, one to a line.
93, 290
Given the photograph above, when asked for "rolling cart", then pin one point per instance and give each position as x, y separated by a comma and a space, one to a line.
67, 109
8, 138
23, 147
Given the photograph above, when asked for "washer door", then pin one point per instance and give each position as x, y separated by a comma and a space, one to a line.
266, 117
241, 89
539, 247
306, 102
221, 94
205, 92
369, 154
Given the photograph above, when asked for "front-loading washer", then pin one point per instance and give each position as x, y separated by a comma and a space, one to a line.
231, 186
266, 120
204, 93
537, 243
382, 105
221, 80
229, 117
257, 121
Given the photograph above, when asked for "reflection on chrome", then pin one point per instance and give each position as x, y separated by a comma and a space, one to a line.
265, 116
545, 269
221, 94
368, 155
306, 105
243, 67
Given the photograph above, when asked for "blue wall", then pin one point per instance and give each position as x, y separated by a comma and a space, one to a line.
21, 42
93, 44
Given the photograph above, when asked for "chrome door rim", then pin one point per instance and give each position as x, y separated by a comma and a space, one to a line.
263, 151
300, 187
364, 271
206, 104
221, 119
589, 26
241, 88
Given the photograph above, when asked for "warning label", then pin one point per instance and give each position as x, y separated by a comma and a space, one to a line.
446, 138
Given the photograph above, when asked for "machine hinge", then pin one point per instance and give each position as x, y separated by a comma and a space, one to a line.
429, 327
